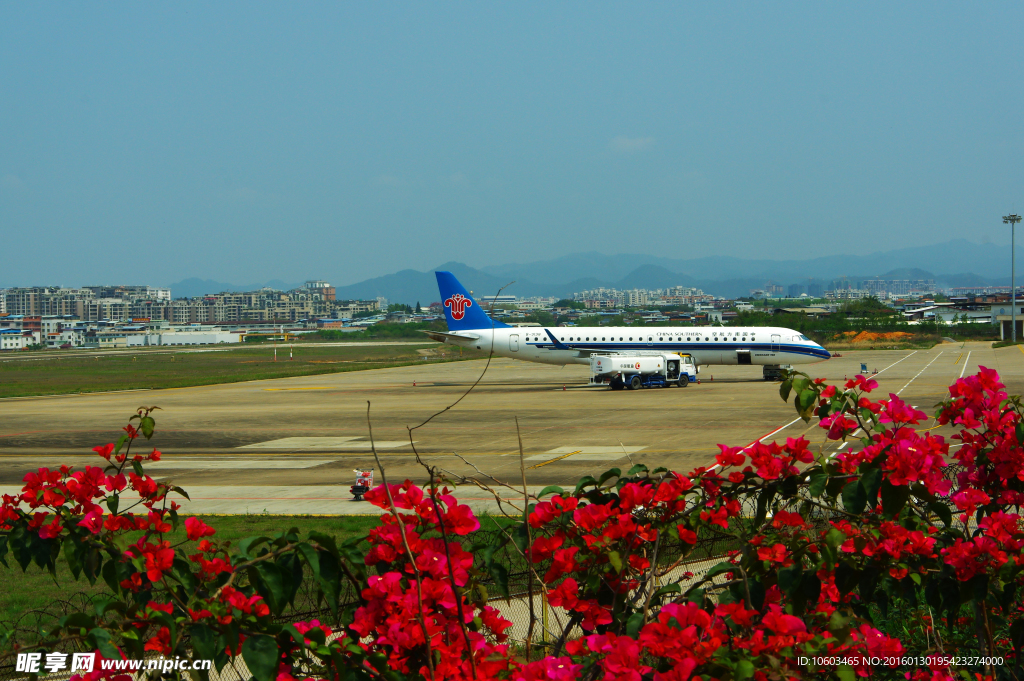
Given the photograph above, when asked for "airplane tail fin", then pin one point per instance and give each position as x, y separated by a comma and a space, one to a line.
460, 310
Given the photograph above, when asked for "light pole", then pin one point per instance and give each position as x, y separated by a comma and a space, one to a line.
1012, 220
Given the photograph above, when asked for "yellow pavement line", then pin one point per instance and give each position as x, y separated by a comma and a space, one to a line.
958, 359
1021, 348
564, 456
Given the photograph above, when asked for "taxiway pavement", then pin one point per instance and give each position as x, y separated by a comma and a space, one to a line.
290, 445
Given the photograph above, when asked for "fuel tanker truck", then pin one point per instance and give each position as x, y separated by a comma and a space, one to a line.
635, 371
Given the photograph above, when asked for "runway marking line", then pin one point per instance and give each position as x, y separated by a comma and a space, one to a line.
846, 442
559, 458
958, 359
919, 372
965, 365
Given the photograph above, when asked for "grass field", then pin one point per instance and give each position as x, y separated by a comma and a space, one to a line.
34, 589
35, 596
47, 373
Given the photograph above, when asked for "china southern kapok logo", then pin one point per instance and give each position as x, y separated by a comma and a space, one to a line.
458, 303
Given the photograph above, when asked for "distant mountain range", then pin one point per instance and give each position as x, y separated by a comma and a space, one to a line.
954, 263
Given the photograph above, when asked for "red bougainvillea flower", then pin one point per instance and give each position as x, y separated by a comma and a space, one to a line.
197, 529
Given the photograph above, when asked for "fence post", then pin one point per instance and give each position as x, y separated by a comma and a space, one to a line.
544, 616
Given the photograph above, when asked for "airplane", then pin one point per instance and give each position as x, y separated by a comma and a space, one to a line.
470, 327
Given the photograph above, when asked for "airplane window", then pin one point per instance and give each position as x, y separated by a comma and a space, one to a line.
630, 338
602, 337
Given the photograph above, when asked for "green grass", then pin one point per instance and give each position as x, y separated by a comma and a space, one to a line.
1006, 343
35, 589
56, 372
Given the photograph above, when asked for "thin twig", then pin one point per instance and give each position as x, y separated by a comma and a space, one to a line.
405, 542
529, 540
490, 354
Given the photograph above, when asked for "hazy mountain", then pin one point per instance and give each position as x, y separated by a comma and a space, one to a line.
955, 263
958, 255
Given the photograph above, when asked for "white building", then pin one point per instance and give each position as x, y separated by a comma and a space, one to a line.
16, 339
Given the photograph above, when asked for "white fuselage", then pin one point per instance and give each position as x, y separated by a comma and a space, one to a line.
707, 345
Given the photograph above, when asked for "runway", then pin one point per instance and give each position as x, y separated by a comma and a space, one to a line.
290, 445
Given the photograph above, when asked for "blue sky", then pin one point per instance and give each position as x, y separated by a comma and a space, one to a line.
243, 142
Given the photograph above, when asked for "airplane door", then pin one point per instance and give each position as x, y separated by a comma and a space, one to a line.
513, 342
776, 338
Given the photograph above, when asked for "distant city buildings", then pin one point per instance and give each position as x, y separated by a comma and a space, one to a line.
602, 298
124, 316
313, 300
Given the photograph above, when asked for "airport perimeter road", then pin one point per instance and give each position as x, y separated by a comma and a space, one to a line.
278, 438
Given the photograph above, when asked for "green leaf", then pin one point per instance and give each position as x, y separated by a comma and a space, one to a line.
147, 425
247, 544
834, 538
521, 537
894, 498
312, 559
804, 404
611, 473
499, 573
789, 577
585, 481
844, 672
669, 589
616, 560
260, 654
847, 577
120, 443
785, 388
943, 511
743, 670
818, 480
103, 641
112, 502
854, 497
633, 624
325, 540
871, 479
551, 489
180, 491
720, 568
137, 467
271, 585
637, 468
763, 499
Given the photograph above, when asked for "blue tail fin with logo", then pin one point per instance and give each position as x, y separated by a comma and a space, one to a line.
460, 310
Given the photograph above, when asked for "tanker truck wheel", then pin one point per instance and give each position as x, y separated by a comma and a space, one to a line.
635, 383
683, 381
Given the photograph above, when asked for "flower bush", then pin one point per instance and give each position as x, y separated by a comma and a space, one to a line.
897, 557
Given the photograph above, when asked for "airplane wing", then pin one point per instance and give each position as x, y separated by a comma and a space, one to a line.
559, 345
441, 336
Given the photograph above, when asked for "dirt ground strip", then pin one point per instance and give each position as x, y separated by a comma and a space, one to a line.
264, 444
